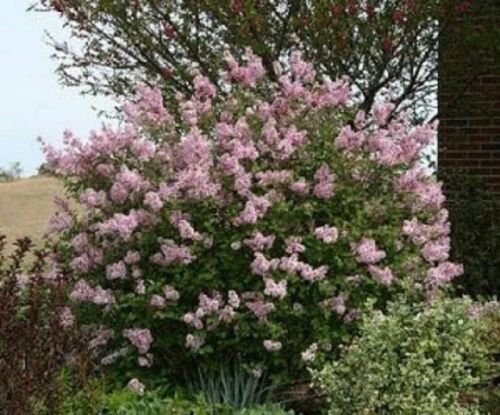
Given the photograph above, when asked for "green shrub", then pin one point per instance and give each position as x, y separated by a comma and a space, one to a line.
416, 359
254, 230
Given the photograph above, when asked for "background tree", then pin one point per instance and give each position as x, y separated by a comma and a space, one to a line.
12, 172
379, 45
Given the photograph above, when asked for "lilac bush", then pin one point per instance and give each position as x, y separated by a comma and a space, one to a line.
253, 223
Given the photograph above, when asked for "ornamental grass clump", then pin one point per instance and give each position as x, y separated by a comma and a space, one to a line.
249, 224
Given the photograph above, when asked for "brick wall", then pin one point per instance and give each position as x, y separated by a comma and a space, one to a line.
469, 97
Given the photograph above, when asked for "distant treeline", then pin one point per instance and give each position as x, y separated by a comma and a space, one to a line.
12, 172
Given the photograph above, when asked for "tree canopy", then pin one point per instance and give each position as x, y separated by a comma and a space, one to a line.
380, 46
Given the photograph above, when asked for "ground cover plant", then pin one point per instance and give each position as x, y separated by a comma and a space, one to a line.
248, 225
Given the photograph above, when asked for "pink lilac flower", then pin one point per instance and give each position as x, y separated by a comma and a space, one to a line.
236, 246
203, 88
194, 342
187, 231
157, 301
325, 186
328, 234
131, 179
437, 251
103, 297
136, 273
443, 273
254, 209
93, 199
260, 309
145, 361
171, 253
249, 74
294, 245
300, 186
226, 314
262, 266
143, 150
60, 222
415, 230
135, 386
310, 274
208, 304
429, 195
132, 257
120, 224
66, 318
82, 292
309, 354
338, 304
140, 338
148, 107
170, 293
113, 357
269, 132
118, 193
384, 275
271, 177
301, 69
275, 289
348, 139
153, 200
140, 287
291, 264
193, 320
260, 242
81, 263
410, 179
101, 337
272, 346
368, 253
105, 170
292, 139
352, 315
360, 119
115, 271
80, 243
382, 111
233, 299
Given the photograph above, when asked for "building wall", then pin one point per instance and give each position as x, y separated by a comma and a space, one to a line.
469, 97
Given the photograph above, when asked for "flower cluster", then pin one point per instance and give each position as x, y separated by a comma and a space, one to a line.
255, 222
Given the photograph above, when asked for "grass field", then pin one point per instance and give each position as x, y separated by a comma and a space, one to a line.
26, 205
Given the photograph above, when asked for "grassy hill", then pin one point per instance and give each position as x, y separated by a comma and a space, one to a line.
26, 205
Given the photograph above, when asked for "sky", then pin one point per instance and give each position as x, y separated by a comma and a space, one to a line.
32, 102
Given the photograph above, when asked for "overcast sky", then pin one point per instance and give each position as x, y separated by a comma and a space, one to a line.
32, 102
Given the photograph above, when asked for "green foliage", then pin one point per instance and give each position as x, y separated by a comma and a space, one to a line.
95, 398
232, 385
100, 396
416, 359
475, 235
265, 410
